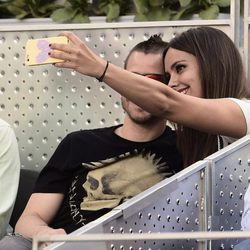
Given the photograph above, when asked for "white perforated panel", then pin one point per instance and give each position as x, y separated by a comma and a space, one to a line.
230, 179
179, 210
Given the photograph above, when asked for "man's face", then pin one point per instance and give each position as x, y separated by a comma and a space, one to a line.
142, 64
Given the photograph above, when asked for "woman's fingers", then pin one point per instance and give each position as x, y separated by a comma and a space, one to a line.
61, 47
58, 54
69, 59
76, 55
68, 65
72, 37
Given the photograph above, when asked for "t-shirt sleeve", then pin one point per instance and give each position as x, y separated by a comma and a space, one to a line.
244, 104
245, 107
56, 176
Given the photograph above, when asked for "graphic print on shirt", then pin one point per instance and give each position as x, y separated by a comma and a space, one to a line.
108, 186
113, 181
74, 210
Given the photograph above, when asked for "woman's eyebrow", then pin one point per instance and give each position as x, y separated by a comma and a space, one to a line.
174, 64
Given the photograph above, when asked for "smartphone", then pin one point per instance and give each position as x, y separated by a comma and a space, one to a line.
37, 50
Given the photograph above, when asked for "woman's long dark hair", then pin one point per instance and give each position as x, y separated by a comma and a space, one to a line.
222, 75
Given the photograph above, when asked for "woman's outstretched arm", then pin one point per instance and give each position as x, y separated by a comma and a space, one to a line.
218, 116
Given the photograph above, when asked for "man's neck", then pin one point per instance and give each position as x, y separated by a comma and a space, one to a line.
140, 132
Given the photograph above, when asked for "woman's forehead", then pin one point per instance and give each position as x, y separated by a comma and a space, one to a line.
174, 56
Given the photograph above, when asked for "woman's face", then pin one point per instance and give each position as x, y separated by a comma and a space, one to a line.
183, 72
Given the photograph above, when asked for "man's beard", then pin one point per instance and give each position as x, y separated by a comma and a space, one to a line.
145, 119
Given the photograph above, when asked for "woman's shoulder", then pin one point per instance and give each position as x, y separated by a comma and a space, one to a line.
243, 101
239, 99
244, 104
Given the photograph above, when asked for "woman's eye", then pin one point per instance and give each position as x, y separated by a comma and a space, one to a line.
179, 68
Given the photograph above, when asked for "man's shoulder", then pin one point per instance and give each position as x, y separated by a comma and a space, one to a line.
92, 132
169, 131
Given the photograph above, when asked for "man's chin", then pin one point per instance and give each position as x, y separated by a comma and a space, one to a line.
144, 120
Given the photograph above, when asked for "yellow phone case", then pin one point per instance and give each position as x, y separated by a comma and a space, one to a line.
37, 50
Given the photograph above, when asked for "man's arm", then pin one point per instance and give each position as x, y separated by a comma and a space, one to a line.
38, 213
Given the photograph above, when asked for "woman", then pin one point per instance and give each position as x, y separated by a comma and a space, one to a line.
204, 63
206, 96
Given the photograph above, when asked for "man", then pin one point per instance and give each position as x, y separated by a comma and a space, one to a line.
93, 171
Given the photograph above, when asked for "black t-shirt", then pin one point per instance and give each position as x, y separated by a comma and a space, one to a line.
97, 170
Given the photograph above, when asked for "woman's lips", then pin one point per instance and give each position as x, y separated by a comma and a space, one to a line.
182, 90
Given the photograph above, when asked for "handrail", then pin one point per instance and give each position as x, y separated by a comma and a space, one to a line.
202, 236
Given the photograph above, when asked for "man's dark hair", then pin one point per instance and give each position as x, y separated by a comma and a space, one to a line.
153, 45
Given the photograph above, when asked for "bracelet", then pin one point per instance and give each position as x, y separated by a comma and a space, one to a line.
100, 79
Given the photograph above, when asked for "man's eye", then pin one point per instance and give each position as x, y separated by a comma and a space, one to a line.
167, 78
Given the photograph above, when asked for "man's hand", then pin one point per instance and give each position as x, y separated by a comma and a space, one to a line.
50, 231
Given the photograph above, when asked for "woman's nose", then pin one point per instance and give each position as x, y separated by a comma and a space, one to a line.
172, 81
